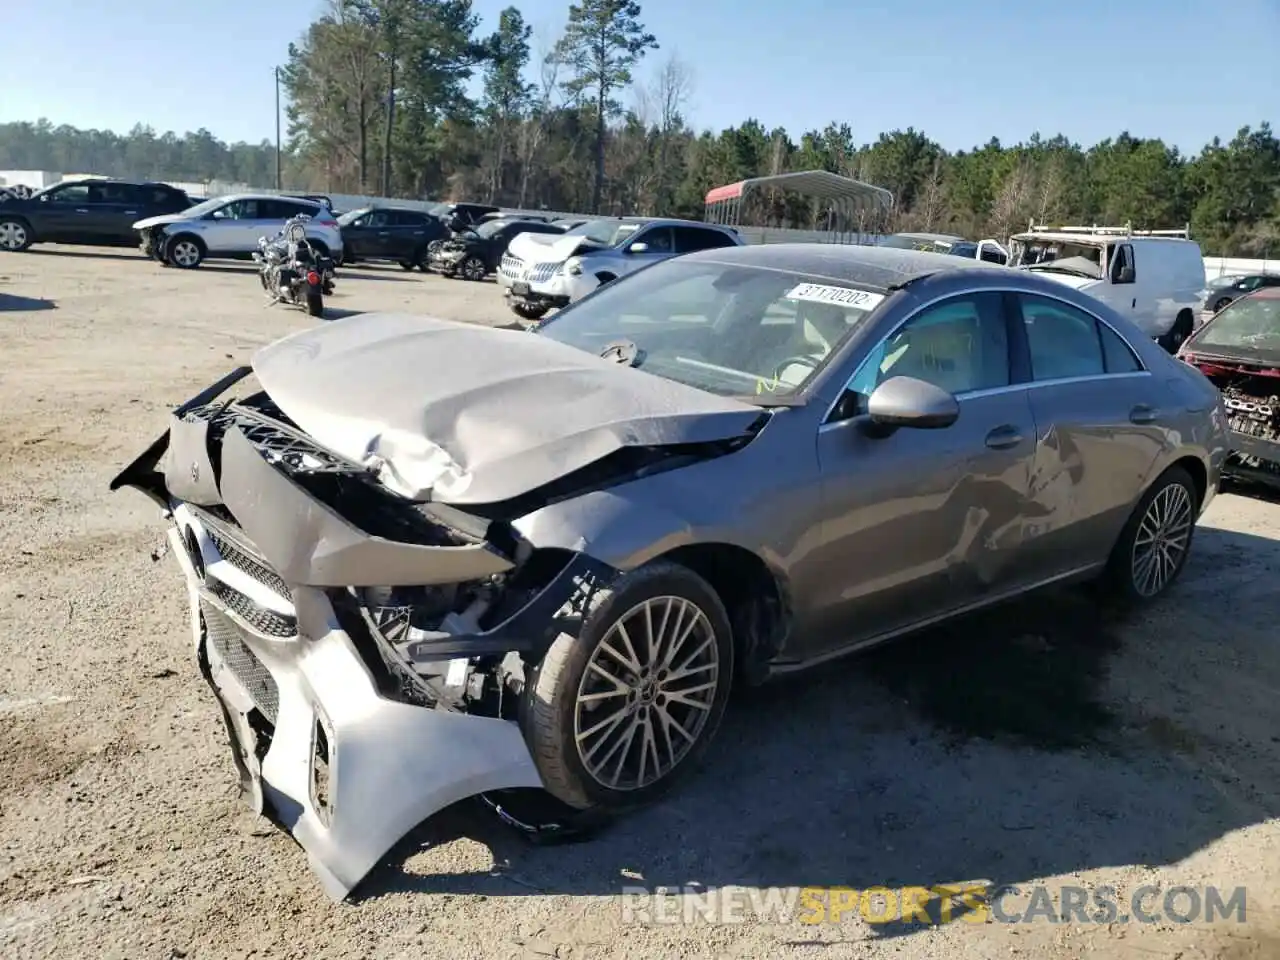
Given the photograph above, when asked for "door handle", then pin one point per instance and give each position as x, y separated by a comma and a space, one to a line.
1002, 438
384, 234
1143, 413
1134, 304
131, 213
81, 210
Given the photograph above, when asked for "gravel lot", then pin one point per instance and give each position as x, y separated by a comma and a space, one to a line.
1049, 742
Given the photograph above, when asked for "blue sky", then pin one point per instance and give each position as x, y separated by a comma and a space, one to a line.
961, 70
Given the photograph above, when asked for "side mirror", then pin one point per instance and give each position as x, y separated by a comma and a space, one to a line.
1125, 275
639, 247
908, 402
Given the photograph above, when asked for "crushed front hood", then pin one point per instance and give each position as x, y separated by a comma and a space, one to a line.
544, 247
160, 221
460, 413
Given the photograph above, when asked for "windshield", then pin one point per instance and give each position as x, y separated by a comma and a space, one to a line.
352, 216
1252, 323
490, 227
607, 233
200, 209
1061, 256
902, 241
736, 331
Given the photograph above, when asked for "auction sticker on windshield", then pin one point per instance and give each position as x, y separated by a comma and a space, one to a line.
839, 296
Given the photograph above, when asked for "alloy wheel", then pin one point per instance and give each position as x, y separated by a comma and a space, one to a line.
185, 253
646, 693
473, 269
1161, 542
13, 236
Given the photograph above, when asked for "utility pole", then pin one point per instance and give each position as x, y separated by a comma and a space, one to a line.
279, 178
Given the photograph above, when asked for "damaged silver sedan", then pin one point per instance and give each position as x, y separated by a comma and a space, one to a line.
428, 560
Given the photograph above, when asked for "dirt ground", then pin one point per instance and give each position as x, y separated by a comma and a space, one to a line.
1046, 743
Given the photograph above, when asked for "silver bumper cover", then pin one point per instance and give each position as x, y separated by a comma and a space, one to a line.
347, 772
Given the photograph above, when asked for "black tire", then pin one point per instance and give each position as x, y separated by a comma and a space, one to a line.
552, 716
188, 247
1122, 578
315, 305
529, 311
473, 269
1221, 303
1182, 328
16, 234
406, 265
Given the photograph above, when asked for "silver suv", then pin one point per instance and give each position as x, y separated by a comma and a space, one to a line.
541, 271
231, 226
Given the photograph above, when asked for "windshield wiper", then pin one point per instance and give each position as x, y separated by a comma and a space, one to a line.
1049, 267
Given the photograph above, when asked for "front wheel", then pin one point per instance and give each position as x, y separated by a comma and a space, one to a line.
315, 305
1221, 304
614, 716
473, 269
1154, 545
185, 252
15, 235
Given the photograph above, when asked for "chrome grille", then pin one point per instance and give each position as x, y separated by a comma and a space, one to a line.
511, 266
224, 636
243, 561
261, 619
543, 272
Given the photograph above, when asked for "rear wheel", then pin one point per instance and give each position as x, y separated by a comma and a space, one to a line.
315, 305
15, 235
1181, 329
615, 715
185, 251
1154, 545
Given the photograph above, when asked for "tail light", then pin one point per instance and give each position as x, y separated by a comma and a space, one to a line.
327, 223
312, 277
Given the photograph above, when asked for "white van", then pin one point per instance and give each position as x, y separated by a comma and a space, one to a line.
1154, 277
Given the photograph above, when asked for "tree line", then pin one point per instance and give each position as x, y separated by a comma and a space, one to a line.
379, 101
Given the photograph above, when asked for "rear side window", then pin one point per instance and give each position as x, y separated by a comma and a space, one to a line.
284, 209
1065, 342
113, 193
1117, 355
690, 239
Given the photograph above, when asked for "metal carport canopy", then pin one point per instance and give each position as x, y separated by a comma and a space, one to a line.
820, 184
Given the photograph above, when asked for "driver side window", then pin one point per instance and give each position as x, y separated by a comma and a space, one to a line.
960, 345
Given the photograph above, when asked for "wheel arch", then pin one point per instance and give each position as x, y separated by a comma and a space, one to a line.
754, 595
32, 234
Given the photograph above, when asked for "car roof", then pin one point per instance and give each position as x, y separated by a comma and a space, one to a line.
1092, 239
949, 237
881, 267
267, 196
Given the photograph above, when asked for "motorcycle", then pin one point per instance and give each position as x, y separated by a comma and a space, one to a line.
290, 269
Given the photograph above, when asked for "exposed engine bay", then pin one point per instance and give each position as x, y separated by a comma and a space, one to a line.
1251, 395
